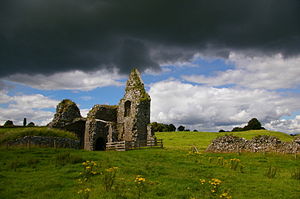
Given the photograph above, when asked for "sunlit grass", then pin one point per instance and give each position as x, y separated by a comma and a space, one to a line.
7, 134
186, 140
171, 172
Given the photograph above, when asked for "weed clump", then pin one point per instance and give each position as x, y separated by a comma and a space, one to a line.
64, 158
295, 174
271, 172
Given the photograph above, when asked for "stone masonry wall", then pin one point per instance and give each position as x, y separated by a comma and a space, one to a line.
103, 112
261, 143
55, 142
93, 130
134, 110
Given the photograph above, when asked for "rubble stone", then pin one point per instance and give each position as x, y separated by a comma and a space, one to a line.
128, 121
42, 141
260, 143
66, 112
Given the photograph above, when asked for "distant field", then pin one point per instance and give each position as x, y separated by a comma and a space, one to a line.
185, 140
172, 172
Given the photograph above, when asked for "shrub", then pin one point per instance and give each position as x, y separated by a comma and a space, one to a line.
30, 124
66, 158
181, 128
236, 129
8, 123
160, 127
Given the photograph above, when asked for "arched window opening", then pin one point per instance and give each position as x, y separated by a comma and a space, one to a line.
100, 144
127, 108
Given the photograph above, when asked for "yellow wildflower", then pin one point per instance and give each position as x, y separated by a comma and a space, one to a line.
87, 190
202, 181
225, 195
110, 169
139, 179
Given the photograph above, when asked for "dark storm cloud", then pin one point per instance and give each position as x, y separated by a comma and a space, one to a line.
46, 36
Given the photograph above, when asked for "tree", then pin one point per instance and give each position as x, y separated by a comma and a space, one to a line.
160, 127
180, 128
221, 131
24, 122
31, 124
235, 129
253, 124
172, 127
8, 123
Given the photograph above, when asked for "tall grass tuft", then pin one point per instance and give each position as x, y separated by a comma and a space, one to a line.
271, 172
234, 163
64, 158
295, 174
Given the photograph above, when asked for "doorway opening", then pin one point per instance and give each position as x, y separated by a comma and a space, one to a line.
100, 144
127, 108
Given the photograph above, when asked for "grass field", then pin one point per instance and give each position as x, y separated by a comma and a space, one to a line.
185, 140
172, 172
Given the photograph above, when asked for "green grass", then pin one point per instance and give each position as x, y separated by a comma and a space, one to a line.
7, 134
173, 172
185, 140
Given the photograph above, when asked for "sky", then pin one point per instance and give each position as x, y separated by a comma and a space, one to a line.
207, 64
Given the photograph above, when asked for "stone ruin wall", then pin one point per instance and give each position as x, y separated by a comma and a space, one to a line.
100, 124
42, 141
127, 121
134, 110
261, 143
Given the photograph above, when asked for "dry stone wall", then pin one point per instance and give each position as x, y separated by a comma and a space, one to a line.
261, 143
42, 141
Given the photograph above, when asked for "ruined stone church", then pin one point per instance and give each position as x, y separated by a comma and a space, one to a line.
127, 121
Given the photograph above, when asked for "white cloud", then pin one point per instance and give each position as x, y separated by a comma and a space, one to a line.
73, 80
208, 108
265, 72
289, 126
31, 107
84, 112
86, 98
4, 98
36, 101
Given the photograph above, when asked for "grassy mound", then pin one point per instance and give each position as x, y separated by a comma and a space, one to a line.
7, 134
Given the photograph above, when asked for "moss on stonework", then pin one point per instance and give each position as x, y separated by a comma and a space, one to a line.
96, 108
62, 106
137, 85
109, 106
145, 97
